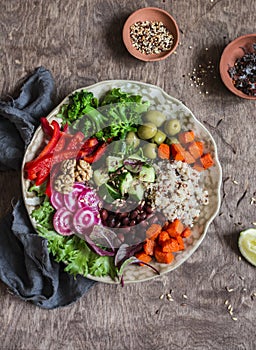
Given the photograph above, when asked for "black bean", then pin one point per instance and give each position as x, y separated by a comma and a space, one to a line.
132, 223
118, 224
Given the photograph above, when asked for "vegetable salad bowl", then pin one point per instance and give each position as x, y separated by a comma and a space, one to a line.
210, 179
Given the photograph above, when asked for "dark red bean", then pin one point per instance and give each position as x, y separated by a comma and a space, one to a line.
123, 215
132, 223
138, 218
104, 214
149, 210
134, 214
118, 224
143, 216
125, 221
111, 221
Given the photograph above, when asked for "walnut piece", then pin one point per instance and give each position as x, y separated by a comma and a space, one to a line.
65, 180
83, 171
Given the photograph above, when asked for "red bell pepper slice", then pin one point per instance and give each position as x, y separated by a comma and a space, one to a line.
96, 155
47, 129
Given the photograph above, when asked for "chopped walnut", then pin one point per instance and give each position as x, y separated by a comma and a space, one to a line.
64, 182
83, 171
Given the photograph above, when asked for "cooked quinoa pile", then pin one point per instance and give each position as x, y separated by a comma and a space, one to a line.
177, 193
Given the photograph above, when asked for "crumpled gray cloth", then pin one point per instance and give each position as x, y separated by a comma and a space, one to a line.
26, 266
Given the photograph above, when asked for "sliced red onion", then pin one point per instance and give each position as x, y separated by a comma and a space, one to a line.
62, 222
84, 220
57, 199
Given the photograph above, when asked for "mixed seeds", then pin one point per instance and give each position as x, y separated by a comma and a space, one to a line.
243, 73
151, 37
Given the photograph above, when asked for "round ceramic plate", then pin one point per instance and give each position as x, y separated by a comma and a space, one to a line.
210, 179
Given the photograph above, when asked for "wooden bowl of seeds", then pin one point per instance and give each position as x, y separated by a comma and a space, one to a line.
150, 34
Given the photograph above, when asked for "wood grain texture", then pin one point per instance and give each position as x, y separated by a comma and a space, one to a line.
80, 42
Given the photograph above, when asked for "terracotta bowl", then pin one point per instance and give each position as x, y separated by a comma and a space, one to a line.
150, 14
231, 53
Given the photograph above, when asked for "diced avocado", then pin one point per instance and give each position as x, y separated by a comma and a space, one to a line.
136, 191
114, 163
100, 176
147, 174
126, 180
108, 193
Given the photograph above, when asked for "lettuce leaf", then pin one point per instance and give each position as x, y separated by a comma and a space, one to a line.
71, 250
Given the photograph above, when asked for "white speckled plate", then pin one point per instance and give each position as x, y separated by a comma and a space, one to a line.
211, 179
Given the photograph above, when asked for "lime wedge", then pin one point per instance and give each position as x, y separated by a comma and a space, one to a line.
247, 245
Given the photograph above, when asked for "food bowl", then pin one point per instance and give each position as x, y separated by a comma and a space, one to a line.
150, 14
233, 51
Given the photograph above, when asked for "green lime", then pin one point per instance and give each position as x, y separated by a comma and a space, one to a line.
247, 245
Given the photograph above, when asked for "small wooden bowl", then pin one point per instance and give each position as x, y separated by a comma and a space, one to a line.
150, 14
231, 53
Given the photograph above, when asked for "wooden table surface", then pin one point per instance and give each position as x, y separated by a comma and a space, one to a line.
80, 42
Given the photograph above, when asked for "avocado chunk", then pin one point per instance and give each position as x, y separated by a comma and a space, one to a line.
113, 163
147, 174
100, 176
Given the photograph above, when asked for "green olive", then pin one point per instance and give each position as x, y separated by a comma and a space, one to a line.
159, 137
171, 140
150, 150
132, 139
172, 127
147, 131
155, 117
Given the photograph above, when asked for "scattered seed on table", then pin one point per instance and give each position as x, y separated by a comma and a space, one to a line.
234, 318
151, 37
161, 296
229, 289
226, 302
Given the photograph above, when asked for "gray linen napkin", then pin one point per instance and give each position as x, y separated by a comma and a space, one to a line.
26, 266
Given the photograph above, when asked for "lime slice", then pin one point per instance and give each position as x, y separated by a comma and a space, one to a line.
247, 245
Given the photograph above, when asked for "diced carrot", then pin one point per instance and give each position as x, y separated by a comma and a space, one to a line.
198, 166
177, 151
170, 246
206, 160
186, 137
186, 233
153, 231
162, 257
143, 257
149, 246
180, 242
163, 237
175, 228
200, 146
194, 150
188, 158
164, 151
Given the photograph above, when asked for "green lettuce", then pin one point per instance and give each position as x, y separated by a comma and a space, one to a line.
71, 250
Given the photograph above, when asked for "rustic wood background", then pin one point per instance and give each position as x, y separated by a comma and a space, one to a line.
80, 42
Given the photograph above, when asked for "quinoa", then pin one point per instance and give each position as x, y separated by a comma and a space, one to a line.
177, 192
